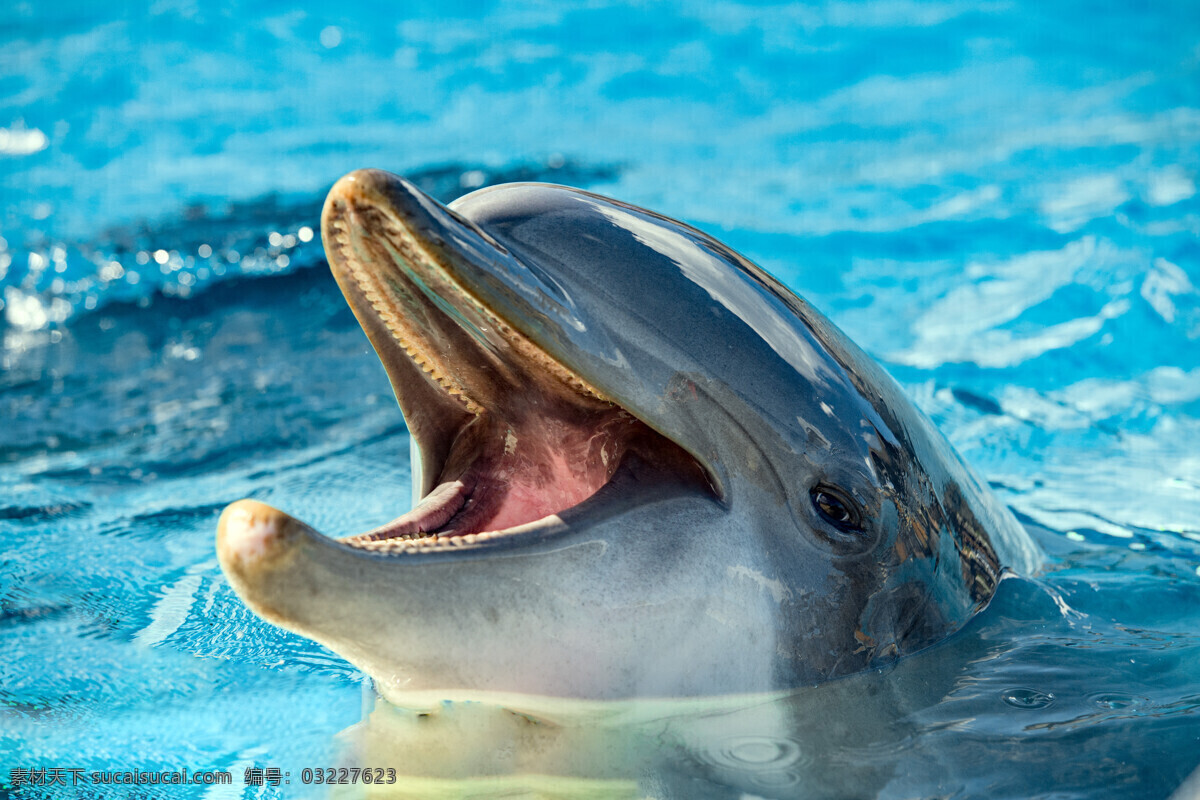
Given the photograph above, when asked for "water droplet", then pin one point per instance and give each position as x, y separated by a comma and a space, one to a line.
1026, 698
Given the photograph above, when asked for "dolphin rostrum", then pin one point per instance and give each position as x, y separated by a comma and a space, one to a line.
646, 468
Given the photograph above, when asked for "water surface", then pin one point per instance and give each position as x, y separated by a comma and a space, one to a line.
996, 200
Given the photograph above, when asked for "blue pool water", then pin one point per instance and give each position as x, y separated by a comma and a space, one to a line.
998, 201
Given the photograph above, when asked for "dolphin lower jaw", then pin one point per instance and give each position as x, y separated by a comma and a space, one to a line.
508, 435
449, 622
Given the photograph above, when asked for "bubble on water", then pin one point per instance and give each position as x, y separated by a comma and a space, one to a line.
757, 753
770, 762
1116, 701
1026, 698
762, 750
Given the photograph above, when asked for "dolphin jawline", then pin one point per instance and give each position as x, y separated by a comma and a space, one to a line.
508, 436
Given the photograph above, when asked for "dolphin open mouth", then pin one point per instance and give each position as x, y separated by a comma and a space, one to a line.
509, 437
646, 469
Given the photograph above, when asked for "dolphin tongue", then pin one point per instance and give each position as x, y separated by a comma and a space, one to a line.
502, 474
434, 511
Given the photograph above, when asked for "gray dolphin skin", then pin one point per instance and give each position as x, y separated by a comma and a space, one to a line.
646, 468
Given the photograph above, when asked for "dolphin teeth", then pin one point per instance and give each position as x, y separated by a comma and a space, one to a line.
416, 257
420, 542
369, 284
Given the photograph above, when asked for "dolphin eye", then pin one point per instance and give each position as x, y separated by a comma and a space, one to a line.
837, 509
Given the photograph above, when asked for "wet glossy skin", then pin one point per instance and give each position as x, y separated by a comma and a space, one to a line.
806, 522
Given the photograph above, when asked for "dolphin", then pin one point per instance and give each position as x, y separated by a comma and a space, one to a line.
645, 468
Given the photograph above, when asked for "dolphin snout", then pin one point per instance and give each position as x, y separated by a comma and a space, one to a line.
366, 184
262, 552
252, 535
365, 189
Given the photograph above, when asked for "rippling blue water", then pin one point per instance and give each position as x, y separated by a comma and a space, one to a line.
996, 200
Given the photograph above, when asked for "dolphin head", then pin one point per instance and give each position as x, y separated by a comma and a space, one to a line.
646, 468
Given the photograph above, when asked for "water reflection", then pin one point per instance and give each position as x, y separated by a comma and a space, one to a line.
945, 722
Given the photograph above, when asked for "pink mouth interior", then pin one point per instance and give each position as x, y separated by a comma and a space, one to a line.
499, 475
517, 436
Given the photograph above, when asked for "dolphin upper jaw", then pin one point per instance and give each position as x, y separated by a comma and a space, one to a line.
495, 418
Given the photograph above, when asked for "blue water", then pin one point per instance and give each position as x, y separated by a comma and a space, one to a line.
999, 201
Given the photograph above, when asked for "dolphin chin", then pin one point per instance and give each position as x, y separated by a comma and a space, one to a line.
645, 467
